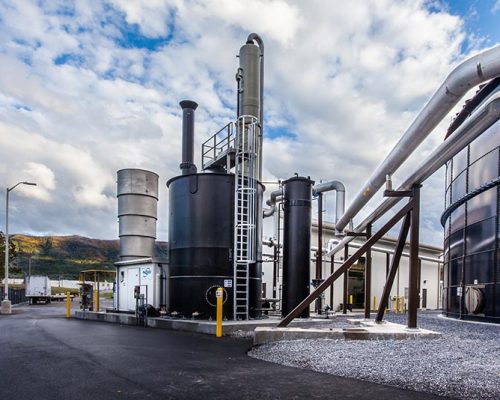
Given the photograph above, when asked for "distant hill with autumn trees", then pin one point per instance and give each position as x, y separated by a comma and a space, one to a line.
63, 257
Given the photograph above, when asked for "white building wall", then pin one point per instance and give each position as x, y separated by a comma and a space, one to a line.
429, 276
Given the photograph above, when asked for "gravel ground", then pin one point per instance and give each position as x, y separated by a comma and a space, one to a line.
463, 363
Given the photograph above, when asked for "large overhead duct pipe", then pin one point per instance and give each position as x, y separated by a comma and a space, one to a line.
477, 123
465, 76
137, 193
339, 193
187, 166
296, 243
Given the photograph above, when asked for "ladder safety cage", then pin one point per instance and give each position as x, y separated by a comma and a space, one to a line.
245, 210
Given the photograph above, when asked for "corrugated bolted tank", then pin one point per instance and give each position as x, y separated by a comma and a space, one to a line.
137, 194
201, 230
297, 194
471, 221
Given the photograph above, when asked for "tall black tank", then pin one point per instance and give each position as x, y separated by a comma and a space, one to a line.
201, 230
297, 194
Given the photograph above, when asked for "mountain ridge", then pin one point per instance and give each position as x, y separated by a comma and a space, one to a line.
64, 256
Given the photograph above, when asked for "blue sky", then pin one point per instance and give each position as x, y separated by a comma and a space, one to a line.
481, 18
93, 87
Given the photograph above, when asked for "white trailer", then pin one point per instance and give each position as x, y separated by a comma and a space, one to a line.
38, 289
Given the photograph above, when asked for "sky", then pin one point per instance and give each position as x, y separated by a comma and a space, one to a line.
91, 87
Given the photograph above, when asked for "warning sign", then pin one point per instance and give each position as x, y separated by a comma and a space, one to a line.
228, 283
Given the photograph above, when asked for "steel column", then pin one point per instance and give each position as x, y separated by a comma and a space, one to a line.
414, 245
368, 274
344, 267
275, 268
319, 252
384, 300
346, 281
332, 270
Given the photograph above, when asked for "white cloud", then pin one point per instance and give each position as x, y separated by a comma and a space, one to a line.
496, 7
346, 81
44, 178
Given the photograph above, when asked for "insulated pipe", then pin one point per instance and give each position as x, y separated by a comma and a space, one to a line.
275, 197
251, 38
187, 166
332, 242
477, 123
465, 76
340, 196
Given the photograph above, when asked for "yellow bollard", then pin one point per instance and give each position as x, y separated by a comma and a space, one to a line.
95, 306
68, 305
218, 326
374, 303
396, 305
350, 299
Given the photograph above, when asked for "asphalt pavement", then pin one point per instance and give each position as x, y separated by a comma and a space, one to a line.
45, 356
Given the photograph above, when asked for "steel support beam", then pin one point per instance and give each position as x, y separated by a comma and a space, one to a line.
319, 252
384, 300
332, 270
368, 274
414, 245
275, 269
345, 266
346, 282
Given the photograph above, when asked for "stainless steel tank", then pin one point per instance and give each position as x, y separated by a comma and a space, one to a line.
250, 68
137, 193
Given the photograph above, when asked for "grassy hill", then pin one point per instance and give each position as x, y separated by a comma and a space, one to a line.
65, 256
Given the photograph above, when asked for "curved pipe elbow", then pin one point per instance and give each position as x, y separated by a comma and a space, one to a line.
340, 193
328, 186
268, 212
275, 197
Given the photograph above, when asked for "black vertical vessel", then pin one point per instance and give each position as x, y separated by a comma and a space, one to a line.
297, 192
201, 237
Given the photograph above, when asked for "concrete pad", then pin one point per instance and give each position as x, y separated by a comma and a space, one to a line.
366, 331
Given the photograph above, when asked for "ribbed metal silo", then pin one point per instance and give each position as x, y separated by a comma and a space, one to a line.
137, 193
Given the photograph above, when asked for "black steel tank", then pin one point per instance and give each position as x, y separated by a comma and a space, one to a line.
201, 230
297, 192
471, 221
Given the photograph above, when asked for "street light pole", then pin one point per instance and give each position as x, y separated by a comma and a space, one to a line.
6, 307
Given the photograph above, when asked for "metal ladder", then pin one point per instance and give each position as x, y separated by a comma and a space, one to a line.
244, 211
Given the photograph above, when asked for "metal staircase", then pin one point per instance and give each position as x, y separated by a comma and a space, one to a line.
246, 169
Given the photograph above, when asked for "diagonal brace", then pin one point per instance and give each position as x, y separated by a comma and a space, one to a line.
345, 266
403, 234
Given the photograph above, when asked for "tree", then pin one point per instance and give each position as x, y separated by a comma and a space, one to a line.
12, 253
47, 246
